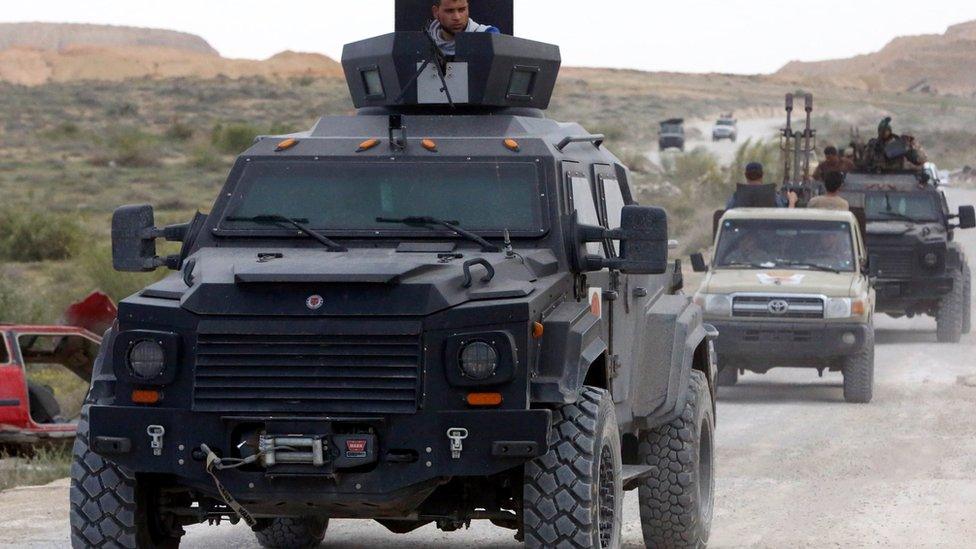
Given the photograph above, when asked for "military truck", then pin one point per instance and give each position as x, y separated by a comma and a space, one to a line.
910, 237
672, 134
444, 308
791, 288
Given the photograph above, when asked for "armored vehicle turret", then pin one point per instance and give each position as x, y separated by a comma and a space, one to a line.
444, 308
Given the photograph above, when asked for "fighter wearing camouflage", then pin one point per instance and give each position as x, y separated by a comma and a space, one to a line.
889, 151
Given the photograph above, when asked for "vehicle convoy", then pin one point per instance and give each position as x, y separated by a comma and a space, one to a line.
919, 267
790, 287
444, 308
672, 134
31, 357
726, 127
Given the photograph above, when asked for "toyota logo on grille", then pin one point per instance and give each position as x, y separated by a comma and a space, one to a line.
778, 306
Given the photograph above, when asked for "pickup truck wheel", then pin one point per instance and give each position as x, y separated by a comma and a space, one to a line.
728, 376
951, 314
967, 301
676, 502
859, 374
109, 508
292, 533
573, 495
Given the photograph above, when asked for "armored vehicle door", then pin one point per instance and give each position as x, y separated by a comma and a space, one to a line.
586, 199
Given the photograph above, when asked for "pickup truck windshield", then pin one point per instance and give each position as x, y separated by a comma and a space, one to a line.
897, 206
352, 196
785, 244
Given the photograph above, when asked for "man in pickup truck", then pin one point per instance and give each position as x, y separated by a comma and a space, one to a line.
754, 178
450, 18
833, 181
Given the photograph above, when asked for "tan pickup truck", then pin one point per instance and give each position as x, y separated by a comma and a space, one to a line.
791, 288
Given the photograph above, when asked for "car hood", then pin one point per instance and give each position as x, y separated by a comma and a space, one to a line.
928, 232
360, 282
779, 281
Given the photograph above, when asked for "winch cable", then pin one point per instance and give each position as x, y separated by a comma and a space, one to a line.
215, 463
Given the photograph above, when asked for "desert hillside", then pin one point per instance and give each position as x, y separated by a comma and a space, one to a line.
934, 63
32, 54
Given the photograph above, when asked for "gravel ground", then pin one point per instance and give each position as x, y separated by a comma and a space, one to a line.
797, 467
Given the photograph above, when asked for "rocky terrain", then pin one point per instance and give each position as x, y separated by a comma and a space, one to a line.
933, 63
32, 54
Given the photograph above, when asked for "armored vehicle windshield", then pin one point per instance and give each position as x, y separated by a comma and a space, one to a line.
785, 243
354, 196
896, 205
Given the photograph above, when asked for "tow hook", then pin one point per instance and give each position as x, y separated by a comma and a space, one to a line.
457, 435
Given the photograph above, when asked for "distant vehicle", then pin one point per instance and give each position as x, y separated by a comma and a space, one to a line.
672, 134
910, 236
31, 357
790, 287
934, 174
726, 128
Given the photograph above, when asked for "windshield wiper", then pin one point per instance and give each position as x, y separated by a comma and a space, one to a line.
810, 265
734, 264
424, 221
898, 215
298, 223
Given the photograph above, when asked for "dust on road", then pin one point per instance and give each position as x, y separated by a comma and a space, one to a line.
796, 466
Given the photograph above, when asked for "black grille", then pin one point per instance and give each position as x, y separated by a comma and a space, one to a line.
312, 373
760, 307
894, 263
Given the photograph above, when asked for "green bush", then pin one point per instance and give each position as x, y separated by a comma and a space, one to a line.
179, 131
129, 148
205, 157
16, 303
28, 235
234, 138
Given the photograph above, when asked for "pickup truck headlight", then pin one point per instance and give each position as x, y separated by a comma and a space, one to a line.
845, 307
715, 304
146, 359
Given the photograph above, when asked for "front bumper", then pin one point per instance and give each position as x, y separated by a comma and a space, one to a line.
796, 343
897, 294
412, 455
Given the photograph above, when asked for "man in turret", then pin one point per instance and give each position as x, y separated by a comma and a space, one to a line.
450, 18
833, 162
889, 151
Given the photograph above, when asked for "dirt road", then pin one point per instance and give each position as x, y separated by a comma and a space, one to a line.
757, 129
797, 467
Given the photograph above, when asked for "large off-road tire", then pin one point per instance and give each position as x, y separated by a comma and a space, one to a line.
676, 501
573, 495
108, 507
859, 374
728, 376
951, 314
292, 533
967, 301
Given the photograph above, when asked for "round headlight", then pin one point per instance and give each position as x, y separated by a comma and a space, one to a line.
838, 307
718, 305
479, 360
146, 359
931, 259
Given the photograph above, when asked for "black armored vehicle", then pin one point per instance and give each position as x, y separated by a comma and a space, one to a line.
919, 269
672, 134
445, 308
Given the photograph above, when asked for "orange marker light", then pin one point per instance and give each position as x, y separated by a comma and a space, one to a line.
145, 396
286, 144
857, 307
429, 144
367, 145
537, 330
484, 399
512, 145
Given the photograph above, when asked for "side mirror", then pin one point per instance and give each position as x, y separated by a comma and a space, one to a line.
698, 263
134, 235
967, 217
643, 237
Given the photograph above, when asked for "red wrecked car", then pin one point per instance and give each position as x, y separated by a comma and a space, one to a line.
45, 372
